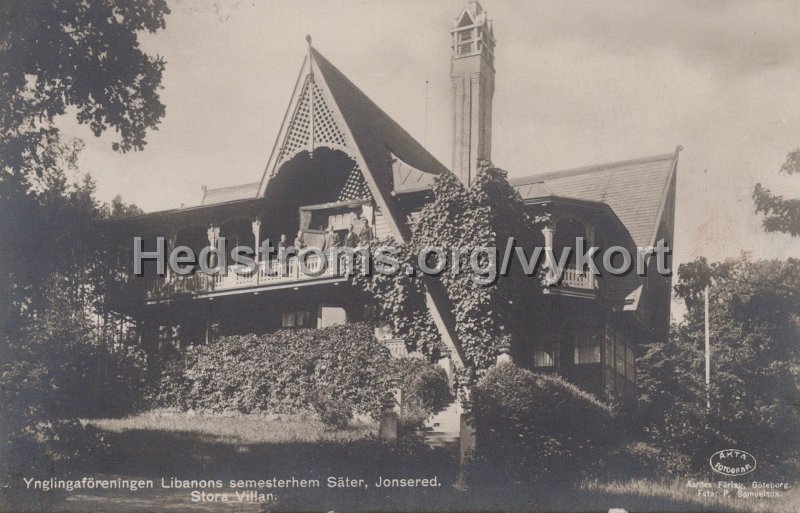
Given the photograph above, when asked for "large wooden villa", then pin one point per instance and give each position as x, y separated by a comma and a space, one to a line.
339, 160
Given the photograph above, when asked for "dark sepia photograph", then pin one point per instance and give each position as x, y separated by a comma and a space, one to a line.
399, 256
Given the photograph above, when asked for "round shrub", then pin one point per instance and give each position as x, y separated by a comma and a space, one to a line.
425, 389
535, 427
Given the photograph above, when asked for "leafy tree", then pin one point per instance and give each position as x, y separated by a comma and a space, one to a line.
780, 214
60, 367
484, 215
56, 363
57, 233
118, 208
56, 55
672, 404
58, 58
755, 366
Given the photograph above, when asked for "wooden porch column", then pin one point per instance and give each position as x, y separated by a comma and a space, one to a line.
213, 236
173, 237
547, 231
257, 239
467, 435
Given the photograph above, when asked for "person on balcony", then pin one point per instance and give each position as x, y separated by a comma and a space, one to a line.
365, 237
299, 243
282, 245
351, 239
331, 240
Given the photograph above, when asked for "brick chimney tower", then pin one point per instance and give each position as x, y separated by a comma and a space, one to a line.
472, 78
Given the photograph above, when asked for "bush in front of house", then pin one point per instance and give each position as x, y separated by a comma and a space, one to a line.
336, 372
81, 371
535, 428
425, 389
55, 368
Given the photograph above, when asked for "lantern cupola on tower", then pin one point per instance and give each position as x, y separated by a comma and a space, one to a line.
472, 77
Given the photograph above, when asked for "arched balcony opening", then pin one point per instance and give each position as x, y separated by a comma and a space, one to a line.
322, 195
307, 186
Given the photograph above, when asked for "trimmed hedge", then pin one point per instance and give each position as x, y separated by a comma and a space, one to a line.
340, 368
335, 372
535, 427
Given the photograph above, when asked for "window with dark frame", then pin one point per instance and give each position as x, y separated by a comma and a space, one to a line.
586, 349
296, 319
545, 355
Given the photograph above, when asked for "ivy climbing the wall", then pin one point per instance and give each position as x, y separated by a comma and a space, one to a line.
486, 214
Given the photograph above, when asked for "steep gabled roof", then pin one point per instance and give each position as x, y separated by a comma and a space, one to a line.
378, 136
328, 110
636, 190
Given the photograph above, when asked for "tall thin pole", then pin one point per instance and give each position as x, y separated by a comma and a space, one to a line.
708, 352
425, 140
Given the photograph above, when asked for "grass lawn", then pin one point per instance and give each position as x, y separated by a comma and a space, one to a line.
236, 428
225, 447
163, 444
674, 495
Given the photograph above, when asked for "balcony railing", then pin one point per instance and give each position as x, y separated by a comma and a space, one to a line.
571, 278
397, 347
238, 277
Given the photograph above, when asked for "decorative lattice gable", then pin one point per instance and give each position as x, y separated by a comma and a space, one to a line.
355, 187
312, 125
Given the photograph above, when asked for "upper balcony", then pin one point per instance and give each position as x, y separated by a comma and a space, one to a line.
575, 284
268, 274
572, 279
563, 235
216, 229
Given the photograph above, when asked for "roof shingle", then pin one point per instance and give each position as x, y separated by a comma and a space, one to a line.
231, 193
634, 189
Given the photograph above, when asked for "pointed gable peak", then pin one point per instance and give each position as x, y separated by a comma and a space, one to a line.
310, 121
472, 14
376, 135
328, 110
466, 20
474, 8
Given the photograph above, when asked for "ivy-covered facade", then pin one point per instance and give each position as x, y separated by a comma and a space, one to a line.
342, 172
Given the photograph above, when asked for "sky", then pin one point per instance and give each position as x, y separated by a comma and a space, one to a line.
578, 83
